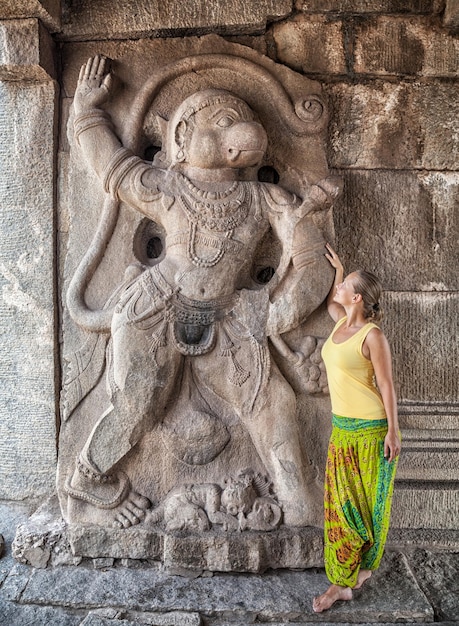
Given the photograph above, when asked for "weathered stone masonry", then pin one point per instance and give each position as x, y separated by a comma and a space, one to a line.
390, 74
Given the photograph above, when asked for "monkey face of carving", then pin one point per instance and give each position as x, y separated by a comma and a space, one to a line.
224, 137
220, 134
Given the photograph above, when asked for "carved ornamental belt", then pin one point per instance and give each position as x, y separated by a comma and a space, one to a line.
192, 321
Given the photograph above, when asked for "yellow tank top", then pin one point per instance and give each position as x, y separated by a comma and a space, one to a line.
351, 377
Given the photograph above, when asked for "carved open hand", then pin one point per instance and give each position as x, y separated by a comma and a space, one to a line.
94, 85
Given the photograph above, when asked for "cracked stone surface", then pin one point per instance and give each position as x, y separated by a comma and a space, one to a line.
415, 587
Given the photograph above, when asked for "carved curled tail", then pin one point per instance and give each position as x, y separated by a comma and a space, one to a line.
98, 321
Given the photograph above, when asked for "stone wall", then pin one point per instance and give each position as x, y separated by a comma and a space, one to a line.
28, 315
390, 73
392, 82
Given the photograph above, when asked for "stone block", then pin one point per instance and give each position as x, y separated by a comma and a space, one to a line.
437, 575
426, 358
133, 543
112, 617
13, 614
169, 71
26, 51
311, 44
47, 11
125, 20
429, 460
212, 551
27, 304
367, 6
416, 506
430, 435
404, 46
276, 597
394, 125
41, 540
401, 225
451, 15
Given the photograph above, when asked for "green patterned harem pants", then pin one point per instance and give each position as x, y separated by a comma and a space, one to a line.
359, 484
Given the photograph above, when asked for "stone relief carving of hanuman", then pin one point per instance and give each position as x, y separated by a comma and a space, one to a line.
188, 307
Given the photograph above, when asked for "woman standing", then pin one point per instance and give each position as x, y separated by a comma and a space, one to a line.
365, 441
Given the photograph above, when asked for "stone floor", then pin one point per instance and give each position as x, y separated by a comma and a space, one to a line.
414, 585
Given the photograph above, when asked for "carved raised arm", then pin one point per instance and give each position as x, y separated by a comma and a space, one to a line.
92, 126
94, 85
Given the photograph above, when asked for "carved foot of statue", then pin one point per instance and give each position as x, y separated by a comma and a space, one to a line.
307, 511
131, 511
111, 497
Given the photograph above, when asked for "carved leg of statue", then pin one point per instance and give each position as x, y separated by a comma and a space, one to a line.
145, 383
275, 433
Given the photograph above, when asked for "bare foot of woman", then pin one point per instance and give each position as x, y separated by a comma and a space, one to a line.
364, 575
327, 599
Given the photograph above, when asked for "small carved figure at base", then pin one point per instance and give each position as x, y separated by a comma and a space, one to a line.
238, 506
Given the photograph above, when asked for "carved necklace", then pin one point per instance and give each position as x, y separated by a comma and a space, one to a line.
215, 211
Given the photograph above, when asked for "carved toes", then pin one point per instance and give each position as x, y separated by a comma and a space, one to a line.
132, 511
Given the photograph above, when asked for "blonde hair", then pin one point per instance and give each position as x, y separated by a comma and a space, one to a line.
368, 286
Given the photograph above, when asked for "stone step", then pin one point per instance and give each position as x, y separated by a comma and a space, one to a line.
391, 595
98, 619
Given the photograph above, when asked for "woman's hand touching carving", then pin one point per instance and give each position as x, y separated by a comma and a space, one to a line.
94, 85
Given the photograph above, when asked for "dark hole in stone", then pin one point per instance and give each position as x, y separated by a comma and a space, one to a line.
149, 152
265, 274
154, 247
268, 174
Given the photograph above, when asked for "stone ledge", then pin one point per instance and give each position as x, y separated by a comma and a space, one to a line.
286, 548
44, 539
110, 20
366, 6
426, 417
275, 597
47, 11
429, 459
26, 51
407, 539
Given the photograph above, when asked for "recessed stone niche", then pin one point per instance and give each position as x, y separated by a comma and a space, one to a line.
195, 414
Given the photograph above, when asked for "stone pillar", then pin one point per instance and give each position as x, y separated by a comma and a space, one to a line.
28, 361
